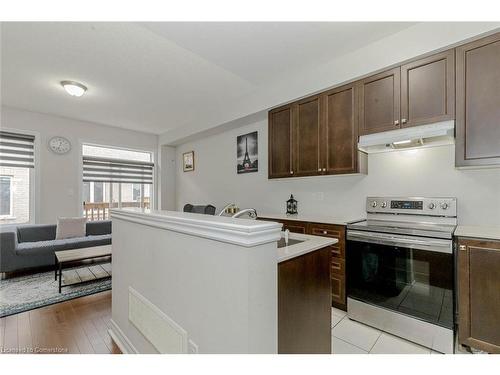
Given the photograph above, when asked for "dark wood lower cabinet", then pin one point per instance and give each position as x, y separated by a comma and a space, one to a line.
479, 294
338, 260
337, 253
338, 291
304, 304
295, 226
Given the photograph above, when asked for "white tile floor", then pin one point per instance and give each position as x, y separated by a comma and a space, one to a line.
350, 337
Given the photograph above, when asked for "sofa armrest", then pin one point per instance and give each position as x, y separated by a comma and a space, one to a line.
8, 246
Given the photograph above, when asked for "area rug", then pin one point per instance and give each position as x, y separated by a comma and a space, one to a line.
29, 292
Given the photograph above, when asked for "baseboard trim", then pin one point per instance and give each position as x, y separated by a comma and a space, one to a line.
121, 339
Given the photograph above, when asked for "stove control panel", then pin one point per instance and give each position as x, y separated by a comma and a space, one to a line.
407, 205
412, 206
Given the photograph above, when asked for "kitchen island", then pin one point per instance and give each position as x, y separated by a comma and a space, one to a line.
189, 283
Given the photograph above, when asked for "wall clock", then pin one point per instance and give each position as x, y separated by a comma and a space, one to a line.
59, 145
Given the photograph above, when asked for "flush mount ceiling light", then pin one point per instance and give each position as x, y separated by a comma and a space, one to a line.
74, 88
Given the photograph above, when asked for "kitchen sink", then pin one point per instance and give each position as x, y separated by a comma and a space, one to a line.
281, 242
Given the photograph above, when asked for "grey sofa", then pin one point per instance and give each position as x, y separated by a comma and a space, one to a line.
207, 210
29, 246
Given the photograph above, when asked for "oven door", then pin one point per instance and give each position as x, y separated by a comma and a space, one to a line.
406, 274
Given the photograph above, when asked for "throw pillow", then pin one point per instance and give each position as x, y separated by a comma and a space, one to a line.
70, 227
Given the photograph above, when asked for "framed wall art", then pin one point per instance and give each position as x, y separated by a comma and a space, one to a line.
247, 153
188, 161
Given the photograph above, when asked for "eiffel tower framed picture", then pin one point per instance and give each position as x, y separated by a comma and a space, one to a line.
247, 153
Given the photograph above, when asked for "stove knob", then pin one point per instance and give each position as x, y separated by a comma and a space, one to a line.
444, 205
383, 205
374, 204
431, 206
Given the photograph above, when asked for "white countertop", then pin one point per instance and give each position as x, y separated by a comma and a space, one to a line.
311, 218
243, 232
481, 232
311, 243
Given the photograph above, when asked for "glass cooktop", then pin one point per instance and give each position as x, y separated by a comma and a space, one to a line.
402, 227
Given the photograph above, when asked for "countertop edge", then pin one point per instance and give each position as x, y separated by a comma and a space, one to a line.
310, 244
478, 232
247, 233
310, 218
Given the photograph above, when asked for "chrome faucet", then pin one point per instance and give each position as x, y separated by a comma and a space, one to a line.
251, 212
226, 207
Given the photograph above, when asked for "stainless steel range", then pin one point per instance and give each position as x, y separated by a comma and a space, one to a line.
400, 269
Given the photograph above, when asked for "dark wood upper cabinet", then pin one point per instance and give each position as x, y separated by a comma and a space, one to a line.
318, 135
306, 143
280, 142
428, 90
380, 102
478, 294
417, 93
340, 130
478, 102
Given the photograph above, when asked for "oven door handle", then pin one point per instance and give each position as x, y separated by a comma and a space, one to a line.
441, 246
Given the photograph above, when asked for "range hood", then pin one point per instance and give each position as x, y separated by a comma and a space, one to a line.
437, 134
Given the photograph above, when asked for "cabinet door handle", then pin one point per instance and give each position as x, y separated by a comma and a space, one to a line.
291, 172
319, 169
396, 122
325, 232
403, 121
462, 248
324, 169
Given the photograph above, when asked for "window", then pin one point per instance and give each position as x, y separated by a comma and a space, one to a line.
98, 192
114, 177
6, 195
136, 192
86, 192
17, 162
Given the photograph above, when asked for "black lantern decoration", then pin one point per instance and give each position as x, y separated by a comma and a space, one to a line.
291, 206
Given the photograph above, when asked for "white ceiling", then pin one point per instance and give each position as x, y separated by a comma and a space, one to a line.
156, 77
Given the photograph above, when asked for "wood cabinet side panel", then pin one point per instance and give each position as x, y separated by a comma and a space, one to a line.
304, 304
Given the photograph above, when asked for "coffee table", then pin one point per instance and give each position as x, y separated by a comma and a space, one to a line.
73, 258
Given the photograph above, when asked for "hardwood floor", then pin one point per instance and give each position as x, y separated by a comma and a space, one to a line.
76, 326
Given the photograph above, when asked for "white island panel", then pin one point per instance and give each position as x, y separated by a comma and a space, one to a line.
219, 286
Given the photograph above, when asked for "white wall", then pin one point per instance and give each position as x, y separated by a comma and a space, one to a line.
60, 175
428, 172
167, 179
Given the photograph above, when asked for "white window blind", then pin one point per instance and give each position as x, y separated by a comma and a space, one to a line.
101, 169
17, 150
